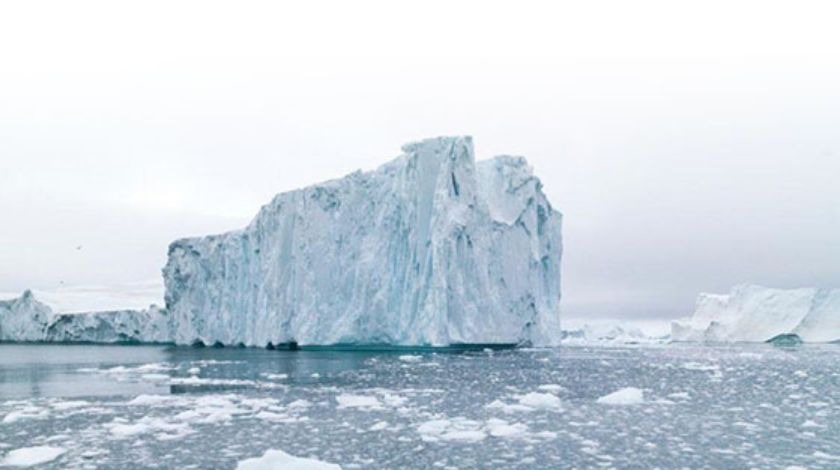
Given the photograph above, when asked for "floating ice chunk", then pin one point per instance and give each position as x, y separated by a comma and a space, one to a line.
411, 359
551, 388
454, 430
625, 396
151, 400
121, 429
502, 429
69, 405
346, 400
300, 404
701, 367
380, 426
279, 460
540, 401
31, 456
825, 456
28, 412
274, 376
508, 408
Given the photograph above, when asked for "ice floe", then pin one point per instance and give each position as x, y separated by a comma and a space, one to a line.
279, 460
31, 456
625, 396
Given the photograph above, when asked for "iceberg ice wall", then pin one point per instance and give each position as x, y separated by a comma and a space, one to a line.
755, 313
429, 249
27, 319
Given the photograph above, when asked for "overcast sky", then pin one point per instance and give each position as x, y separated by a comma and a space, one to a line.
690, 145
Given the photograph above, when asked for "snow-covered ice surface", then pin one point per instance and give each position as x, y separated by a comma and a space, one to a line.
736, 406
753, 314
432, 248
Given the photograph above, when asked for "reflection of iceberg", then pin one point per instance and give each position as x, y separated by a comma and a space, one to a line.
756, 314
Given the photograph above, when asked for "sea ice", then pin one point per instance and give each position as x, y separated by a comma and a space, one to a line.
540, 401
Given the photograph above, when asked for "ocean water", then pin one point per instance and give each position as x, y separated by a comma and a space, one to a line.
742, 406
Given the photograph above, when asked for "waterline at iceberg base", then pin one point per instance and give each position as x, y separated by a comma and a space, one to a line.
432, 249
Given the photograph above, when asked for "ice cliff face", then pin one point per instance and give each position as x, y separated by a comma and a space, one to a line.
755, 313
429, 249
24, 319
27, 319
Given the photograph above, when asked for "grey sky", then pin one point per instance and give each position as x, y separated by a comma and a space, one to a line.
688, 148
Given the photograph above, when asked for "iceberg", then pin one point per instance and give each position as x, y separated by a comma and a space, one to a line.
430, 249
26, 319
757, 314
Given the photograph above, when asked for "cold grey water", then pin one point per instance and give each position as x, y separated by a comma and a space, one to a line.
743, 406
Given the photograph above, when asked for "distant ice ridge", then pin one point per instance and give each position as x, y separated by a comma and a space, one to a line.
755, 314
429, 249
27, 319
606, 332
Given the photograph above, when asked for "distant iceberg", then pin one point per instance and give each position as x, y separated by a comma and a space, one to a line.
26, 319
757, 314
604, 333
431, 249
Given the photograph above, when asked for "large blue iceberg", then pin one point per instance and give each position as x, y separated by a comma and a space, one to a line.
431, 249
